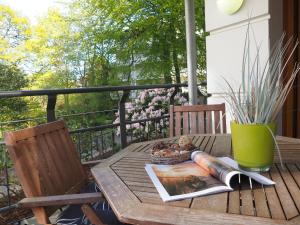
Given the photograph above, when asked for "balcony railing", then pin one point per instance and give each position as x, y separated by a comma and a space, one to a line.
95, 142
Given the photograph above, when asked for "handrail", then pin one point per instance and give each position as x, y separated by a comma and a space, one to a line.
52, 98
24, 93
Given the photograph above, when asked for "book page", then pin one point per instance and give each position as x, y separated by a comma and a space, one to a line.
255, 176
214, 166
185, 180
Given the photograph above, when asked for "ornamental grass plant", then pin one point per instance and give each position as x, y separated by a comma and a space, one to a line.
264, 88
258, 101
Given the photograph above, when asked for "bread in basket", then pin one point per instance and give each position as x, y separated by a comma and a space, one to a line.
172, 153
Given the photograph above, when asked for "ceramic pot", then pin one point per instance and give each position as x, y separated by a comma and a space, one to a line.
253, 145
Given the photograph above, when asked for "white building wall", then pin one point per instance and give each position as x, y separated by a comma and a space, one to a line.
226, 41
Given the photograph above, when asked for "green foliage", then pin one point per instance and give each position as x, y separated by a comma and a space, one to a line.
11, 78
14, 32
95, 43
143, 36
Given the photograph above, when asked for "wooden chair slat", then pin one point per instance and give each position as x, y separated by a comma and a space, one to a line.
223, 118
171, 128
185, 122
27, 171
193, 122
59, 157
178, 124
55, 173
38, 130
208, 126
70, 150
201, 123
68, 161
46, 163
197, 119
217, 126
196, 108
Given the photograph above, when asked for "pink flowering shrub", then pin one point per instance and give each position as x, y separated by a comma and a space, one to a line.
151, 103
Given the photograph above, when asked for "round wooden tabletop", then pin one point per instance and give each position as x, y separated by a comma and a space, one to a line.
134, 199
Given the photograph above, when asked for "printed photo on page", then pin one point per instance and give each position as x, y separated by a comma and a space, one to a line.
203, 175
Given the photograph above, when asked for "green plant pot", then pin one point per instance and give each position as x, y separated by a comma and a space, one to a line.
253, 146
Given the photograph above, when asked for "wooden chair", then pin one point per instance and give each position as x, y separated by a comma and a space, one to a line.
197, 119
50, 171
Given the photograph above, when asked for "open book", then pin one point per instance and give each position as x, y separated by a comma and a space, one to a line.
203, 175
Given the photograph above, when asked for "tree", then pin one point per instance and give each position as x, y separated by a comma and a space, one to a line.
144, 36
14, 32
11, 79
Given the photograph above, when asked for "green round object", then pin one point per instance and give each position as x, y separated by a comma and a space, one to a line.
229, 6
253, 145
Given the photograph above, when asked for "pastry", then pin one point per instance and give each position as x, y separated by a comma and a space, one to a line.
184, 140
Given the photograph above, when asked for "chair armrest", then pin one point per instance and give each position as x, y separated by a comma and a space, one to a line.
56, 200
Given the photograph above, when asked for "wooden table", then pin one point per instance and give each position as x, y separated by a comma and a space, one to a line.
135, 200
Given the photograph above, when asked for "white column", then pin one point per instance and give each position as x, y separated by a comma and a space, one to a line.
225, 43
191, 50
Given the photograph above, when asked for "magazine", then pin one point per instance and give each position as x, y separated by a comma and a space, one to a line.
203, 175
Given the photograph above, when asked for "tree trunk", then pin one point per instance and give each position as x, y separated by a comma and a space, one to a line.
176, 66
166, 60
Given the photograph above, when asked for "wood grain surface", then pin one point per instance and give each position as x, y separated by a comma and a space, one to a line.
135, 200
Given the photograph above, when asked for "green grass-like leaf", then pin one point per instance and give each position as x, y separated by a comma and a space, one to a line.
264, 88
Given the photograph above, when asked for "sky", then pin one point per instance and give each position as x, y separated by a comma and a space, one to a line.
33, 8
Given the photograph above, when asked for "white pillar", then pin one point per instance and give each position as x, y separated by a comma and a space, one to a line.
191, 50
226, 40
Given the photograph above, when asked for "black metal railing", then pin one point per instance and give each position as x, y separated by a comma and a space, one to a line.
92, 143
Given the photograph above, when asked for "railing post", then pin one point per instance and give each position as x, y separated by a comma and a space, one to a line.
51, 108
122, 117
173, 95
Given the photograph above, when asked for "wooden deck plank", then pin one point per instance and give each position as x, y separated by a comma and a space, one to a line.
246, 195
199, 141
291, 185
130, 172
209, 144
128, 167
221, 146
234, 202
285, 198
261, 205
294, 170
143, 189
204, 143
139, 184
154, 198
216, 202
273, 201
136, 179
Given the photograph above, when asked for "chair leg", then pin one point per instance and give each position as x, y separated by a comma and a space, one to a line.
40, 215
91, 215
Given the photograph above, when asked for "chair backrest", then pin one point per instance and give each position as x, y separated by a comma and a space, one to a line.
197, 119
45, 159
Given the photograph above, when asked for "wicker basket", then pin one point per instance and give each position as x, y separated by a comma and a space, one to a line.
170, 160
